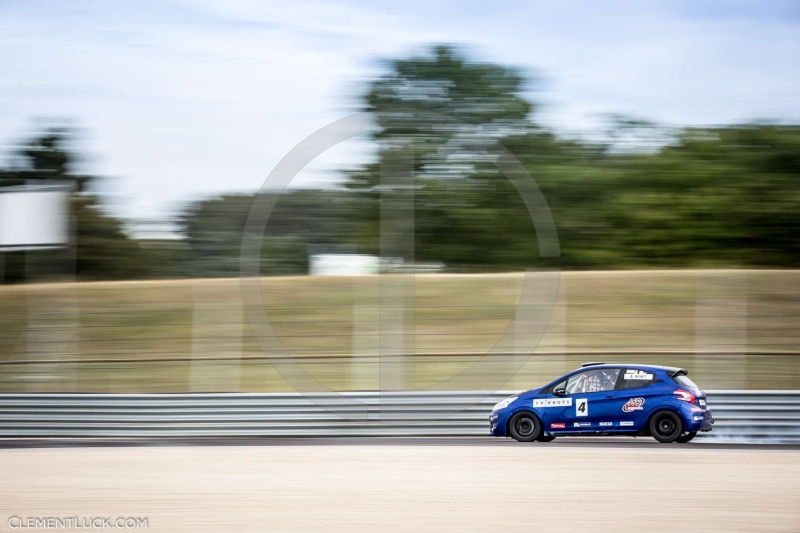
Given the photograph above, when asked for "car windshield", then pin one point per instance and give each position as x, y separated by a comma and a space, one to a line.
684, 381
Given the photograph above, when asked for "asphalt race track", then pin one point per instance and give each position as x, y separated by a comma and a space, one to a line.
357, 485
615, 442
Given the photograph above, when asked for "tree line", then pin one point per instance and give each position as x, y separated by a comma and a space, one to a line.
642, 197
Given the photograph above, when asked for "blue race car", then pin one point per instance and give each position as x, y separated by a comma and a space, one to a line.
601, 399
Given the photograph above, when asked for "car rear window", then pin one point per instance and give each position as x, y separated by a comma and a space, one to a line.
684, 381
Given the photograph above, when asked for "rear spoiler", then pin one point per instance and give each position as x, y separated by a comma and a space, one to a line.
674, 372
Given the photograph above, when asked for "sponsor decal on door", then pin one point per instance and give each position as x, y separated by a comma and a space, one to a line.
559, 425
582, 424
552, 402
626, 423
606, 424
582, 407
634, 404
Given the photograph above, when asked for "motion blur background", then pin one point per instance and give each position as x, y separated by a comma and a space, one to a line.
665, 138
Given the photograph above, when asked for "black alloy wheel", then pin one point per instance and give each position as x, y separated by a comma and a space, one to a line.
666, 427
525, 427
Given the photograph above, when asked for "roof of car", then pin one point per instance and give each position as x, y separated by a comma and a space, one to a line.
669, 369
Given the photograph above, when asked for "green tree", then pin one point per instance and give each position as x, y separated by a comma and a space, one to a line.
442, 111
646, 196
302, 222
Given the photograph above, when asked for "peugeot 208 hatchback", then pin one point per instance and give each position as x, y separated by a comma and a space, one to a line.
605, 399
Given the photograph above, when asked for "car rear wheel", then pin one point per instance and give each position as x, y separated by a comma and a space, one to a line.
686, 437
666, 426
525, 427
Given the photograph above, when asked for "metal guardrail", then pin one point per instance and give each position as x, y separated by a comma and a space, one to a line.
741, 416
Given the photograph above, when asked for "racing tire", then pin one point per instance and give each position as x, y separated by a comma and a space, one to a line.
524, 427
686, 437
666, 427
546, 438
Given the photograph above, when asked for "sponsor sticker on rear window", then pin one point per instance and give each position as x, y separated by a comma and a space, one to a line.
637, 374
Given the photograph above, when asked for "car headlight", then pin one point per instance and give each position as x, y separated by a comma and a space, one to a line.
502, 404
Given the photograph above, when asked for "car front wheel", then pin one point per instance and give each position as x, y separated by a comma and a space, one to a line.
525, 427
666, 426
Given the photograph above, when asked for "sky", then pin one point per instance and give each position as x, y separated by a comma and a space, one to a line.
176, 101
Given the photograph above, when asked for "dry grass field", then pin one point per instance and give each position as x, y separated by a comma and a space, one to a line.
194, 335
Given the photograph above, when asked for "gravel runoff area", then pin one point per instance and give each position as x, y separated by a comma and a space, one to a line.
354, 488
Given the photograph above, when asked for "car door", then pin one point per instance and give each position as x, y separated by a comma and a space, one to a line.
638, 392
589, 399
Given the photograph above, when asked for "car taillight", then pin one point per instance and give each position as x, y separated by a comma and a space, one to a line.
685, 395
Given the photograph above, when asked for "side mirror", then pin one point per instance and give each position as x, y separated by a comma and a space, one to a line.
560, 392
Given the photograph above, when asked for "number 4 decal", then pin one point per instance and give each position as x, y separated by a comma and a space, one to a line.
582, 407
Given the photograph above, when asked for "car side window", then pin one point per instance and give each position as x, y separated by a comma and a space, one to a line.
636, 379
598, 380
560, 385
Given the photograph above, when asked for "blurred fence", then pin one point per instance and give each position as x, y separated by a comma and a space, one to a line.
741, 416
